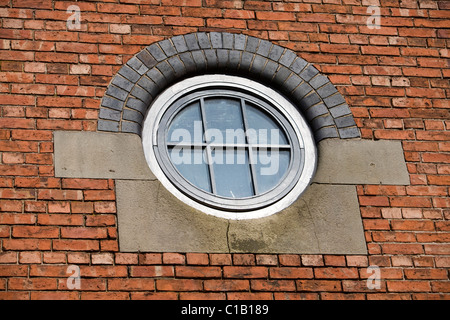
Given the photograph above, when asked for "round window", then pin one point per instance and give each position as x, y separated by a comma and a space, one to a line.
229, 146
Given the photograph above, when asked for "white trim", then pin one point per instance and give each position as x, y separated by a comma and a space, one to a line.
173, 93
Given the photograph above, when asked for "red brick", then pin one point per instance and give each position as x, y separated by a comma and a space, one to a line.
245, 272
197, 258
408, 286
152, 271
197, 272
318, 285
179, 285
131, 284
226, 285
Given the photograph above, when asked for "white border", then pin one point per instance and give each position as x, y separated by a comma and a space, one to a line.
170, 95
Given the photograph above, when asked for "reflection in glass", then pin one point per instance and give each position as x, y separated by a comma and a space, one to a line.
233, 178
270, 167
190, 162
222, 115
262, 128
187, 125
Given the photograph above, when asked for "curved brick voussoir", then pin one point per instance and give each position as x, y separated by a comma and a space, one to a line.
149, 72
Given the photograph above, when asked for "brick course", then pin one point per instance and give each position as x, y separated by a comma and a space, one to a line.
393, 79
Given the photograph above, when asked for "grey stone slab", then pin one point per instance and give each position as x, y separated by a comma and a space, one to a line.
117, 92
348, 133
149, 86
132, 115
325, 133
264, 48
324, 220
180, 44
157, 77
100, 155
269, 70
137, 105
168, 48
147, 59
310, 100
292, 82
318, 81
228, 40
156, 52
246, 61
129, 74
301, 91
309, 73
322, 121
211, 58
151, 219
344, 122
334, 100
203, 40
258, 65
107, 125
199, 59
327, 90
298, 65
177, 66
287, 58
141, 94
315, 111
111, 102
122, 83
276, 52
340, 110
222, 58
216, 40
252, 44
166, 70
239, 41
137, 65
110, 114
188, 61
361, 162
131, 127
191, 41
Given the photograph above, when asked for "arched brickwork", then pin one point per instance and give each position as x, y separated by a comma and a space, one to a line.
161, 64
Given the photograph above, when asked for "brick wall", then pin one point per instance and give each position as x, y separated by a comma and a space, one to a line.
395, 80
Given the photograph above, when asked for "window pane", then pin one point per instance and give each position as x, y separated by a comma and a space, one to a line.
232, 173
187, 125
190, 162
270, 167
262, 128
224, 114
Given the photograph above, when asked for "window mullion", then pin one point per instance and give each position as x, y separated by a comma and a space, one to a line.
208, 148
250, 149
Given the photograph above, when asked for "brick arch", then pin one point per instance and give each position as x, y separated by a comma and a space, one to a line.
161, 64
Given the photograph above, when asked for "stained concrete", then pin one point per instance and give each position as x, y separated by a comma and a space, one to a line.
151, 219
325, 219
100, 155
361, 162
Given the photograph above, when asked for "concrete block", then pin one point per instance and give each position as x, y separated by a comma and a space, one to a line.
325, 220
361, 162
152, 219
100, 155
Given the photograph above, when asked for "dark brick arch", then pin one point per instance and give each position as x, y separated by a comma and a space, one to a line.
161, 64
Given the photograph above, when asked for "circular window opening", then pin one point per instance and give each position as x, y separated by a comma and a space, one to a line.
229, 146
